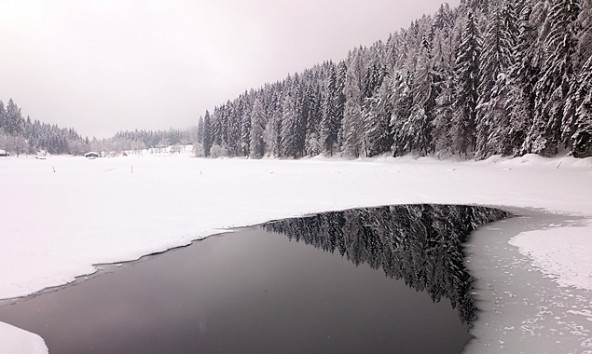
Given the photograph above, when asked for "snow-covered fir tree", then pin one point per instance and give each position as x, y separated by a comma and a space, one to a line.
377, 120
467, 78
257, 147
352, 114
560, 46
496, 59
207, 134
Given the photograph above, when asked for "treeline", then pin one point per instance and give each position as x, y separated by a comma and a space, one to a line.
145, 139
19, 135
491, 77
24, 136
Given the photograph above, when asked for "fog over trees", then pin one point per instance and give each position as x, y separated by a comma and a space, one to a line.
19, 135
488, 77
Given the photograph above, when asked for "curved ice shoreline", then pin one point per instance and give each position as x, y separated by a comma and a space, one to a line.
521, 308
83, 211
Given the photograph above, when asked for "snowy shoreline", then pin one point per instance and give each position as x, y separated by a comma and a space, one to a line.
89, 212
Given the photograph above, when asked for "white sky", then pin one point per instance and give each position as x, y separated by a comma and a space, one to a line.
102, 66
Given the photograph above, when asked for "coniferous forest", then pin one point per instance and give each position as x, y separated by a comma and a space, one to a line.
21, 135
506, 77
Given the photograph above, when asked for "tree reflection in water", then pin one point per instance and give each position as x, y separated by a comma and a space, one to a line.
422, 244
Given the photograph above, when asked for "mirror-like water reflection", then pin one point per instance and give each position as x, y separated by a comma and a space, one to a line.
421, 244
254, 291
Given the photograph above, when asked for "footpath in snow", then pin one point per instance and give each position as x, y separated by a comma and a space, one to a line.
55, 226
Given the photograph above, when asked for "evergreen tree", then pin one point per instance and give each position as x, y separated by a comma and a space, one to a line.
443, 109
207, 135
442, 123
578, 130
522, 78
13, 120
257, 146
402, 106
466, 82
302, 104
582, 138
377, 120
558, 72
340, 102
245, 111
273, 131
494, 127
313, 145
426, 88
352, 115
585, 33
496, 58
289, 127
329, 122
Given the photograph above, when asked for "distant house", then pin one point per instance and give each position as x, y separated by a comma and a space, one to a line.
4, 153
91, 155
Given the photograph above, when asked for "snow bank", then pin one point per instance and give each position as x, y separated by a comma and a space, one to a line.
62, 215
566, 262
14, 340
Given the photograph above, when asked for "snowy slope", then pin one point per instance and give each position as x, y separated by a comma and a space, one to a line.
55, 225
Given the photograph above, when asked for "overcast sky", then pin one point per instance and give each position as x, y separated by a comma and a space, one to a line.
101, 66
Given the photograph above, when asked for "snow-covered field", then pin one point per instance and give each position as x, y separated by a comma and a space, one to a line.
60, 216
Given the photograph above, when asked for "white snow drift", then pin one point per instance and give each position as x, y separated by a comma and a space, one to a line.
60, 216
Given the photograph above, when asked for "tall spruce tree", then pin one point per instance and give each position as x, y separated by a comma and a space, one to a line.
377, 118
466, 83
352, 115
496, 59
329, 121
314, 116
522, 78
340, 101
578, 131
207, 134
257, 147
13, 119
426, 88
402, 105
443, 109
557, 74
289, 127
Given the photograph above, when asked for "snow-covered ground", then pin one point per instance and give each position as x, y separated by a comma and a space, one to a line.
60, 216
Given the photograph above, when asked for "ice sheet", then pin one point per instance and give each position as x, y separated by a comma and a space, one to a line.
62, 215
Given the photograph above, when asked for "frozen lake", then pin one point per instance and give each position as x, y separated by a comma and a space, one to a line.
66, 214
257, 290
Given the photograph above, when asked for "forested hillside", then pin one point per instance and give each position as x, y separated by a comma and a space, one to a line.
489, 77
24, 136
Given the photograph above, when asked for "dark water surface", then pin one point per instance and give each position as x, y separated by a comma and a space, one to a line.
258, 291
